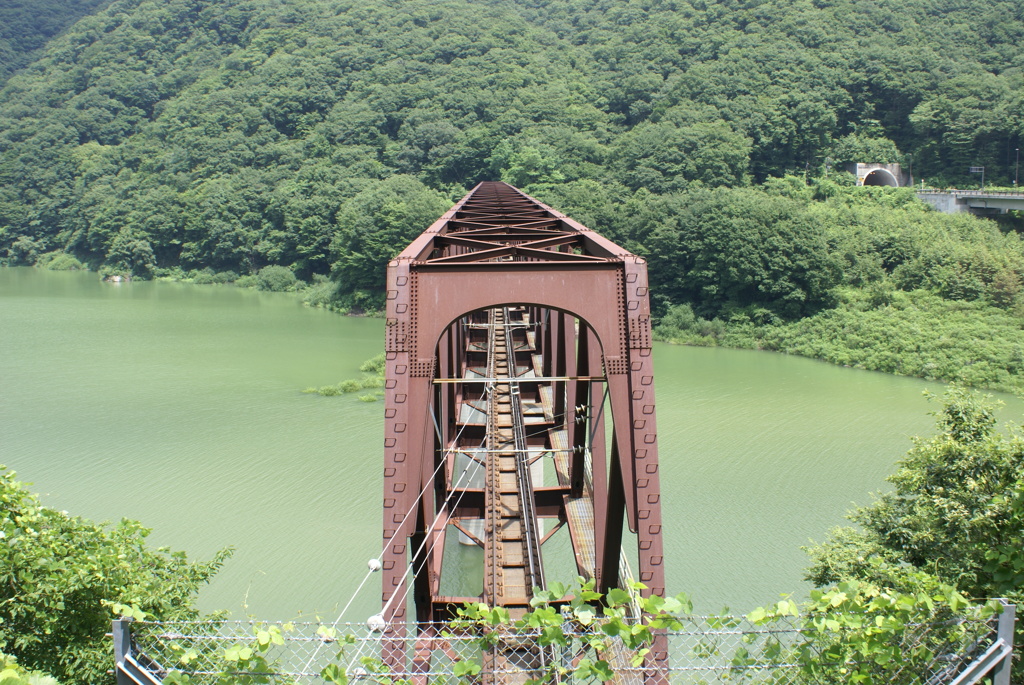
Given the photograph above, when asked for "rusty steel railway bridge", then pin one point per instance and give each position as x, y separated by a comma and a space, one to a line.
519, 403
517, 342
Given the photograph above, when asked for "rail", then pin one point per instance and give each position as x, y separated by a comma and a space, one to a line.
524, 478
493, 513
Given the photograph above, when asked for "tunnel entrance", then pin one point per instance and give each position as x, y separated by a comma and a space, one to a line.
881, 177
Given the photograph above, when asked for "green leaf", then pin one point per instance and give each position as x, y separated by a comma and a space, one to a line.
466, 668
617, 597
584, 615
333, 673
238, 653
584, 669
653, 604
603, 670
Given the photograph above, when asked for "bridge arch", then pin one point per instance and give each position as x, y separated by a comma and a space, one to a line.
585, 294
502, 303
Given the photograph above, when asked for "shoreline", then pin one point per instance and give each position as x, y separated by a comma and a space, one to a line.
928, 354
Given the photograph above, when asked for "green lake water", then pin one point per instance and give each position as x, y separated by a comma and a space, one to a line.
180, 406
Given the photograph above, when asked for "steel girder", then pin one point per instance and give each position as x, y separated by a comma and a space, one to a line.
499, 247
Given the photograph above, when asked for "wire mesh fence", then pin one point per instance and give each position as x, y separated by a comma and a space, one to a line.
706, 650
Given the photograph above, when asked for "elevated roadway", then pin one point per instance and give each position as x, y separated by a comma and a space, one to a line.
975, 201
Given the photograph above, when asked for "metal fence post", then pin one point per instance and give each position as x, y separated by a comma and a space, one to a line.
1004, 631
122, 633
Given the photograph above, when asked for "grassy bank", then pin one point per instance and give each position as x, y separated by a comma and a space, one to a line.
912, 333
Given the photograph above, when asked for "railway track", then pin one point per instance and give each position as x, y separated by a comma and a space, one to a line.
513, 564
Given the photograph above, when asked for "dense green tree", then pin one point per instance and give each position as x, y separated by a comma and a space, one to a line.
61, 576
921, 293
955, 512
726, 250
24, 250
275, 278
596, 205
967, 122
26, 26
947, 511
131, 255
857, 147
663, 157
228, 134
376, 224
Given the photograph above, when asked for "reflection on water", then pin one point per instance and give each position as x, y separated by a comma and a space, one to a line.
179, 405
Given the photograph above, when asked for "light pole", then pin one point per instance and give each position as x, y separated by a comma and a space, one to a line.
1016, 169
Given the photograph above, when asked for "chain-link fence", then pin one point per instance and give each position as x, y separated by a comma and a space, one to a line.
715, 649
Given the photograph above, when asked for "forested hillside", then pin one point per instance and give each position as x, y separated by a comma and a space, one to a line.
25, 26
220, 138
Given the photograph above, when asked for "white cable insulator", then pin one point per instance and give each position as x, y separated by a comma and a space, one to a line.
373, 565
376, 623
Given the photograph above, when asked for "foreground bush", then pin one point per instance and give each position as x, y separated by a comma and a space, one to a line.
956, 513
12, 673
60, 576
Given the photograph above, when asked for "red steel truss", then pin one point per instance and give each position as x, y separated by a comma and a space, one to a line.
573, 319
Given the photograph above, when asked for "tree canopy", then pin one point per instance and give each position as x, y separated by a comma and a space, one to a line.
25, 27
230, 134
62, 576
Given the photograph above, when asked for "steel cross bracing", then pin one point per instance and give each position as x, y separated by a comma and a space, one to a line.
515, 339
